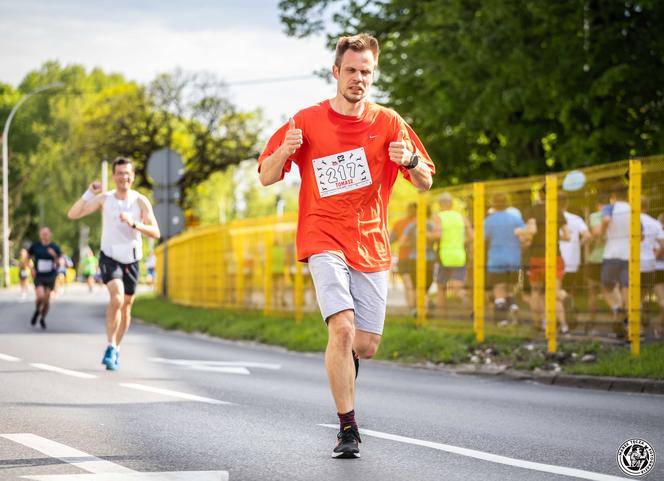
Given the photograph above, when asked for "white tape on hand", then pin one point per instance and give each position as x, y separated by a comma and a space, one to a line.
88, 196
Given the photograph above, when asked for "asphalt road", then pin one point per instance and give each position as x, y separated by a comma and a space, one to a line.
201, 409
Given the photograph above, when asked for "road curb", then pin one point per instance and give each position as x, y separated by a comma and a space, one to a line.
603, 383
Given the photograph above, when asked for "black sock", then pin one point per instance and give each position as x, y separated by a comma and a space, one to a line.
356, 361
347, 420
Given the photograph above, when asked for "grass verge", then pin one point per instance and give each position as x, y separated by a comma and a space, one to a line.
438, 343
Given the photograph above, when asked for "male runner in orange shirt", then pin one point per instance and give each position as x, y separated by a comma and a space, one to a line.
349, 152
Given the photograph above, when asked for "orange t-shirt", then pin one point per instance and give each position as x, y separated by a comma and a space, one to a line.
347, 177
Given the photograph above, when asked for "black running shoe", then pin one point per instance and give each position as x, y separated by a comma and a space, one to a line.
347, 444
33, 321
356, 361
42, 322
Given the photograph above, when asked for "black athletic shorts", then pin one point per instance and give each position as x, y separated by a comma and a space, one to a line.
112, 269
47, 282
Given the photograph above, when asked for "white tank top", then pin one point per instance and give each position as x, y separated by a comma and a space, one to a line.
120, 241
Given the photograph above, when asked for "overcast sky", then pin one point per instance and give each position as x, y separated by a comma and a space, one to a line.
237, 40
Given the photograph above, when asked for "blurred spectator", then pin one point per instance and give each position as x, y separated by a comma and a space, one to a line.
652, 242
570, 251
24, 270
503, 255
615, 265
409, 238
61, 276
595, 255
405, 265
452, 231
89, 267
533, 236
150, 267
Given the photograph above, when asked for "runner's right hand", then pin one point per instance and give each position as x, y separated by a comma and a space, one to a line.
95, 187
293, 138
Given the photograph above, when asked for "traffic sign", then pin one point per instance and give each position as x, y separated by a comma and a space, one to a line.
169, 218
165, 166
162, 194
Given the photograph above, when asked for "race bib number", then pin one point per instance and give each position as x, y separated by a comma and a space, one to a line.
44, 265
342, 172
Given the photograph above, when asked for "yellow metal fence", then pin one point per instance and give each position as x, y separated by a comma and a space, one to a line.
250, 263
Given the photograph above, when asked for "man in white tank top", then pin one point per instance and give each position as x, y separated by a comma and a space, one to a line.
126, 214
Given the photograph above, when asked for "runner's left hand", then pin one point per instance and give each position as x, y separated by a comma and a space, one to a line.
52, 252
399, 153
127, 218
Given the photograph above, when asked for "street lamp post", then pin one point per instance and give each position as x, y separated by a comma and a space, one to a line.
5, 179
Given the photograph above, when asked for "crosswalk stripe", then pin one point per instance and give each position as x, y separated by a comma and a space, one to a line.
67, 454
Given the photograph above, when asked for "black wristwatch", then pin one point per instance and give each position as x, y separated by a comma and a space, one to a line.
414, 160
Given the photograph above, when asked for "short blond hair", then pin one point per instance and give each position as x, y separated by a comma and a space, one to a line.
356, 43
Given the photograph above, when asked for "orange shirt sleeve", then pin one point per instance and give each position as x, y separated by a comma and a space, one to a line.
273, 144
414, 145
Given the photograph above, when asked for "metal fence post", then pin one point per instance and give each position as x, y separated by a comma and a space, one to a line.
421, 259
634, 292
551, 260
478, 261
238, 247
268, 240
222, 271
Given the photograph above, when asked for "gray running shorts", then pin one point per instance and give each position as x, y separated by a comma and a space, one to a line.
339, 287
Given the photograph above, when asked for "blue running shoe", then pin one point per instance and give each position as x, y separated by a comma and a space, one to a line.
110, 359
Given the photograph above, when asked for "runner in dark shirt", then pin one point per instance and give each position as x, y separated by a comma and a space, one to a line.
45, 255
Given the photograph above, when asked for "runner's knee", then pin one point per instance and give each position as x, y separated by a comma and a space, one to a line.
341, 328
116, 301
366, 351
367, 348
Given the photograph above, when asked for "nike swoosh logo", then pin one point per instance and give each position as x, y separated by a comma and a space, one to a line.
371, 137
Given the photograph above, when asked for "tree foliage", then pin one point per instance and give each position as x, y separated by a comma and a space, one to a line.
59, 138
502, 88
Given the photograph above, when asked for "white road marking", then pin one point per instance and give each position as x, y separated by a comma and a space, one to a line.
224, 369
193, 363
7, 357
164, 476
67, 372
69, 455
493, 458
168, 392
101, 470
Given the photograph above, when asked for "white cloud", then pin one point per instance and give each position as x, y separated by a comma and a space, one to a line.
139, 45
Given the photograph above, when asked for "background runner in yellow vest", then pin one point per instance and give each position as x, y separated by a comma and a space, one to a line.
454, 231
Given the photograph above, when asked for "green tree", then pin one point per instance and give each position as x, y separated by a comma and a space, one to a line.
502, 88
58, 140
